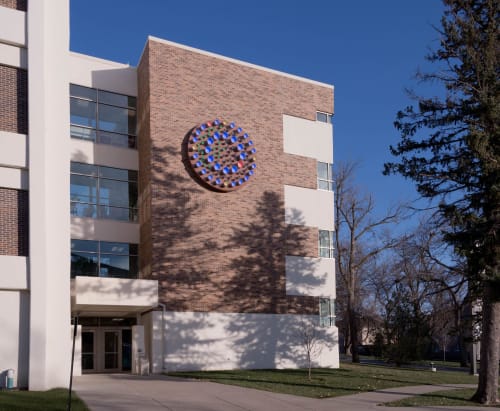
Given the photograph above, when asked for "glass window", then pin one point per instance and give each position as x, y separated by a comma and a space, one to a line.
116, 119
103, 192
83, 133
115, 139
103, 117
325, 176
115, 99
83, 92
104, 259
326, 249
324, 117
83, 112
326, 312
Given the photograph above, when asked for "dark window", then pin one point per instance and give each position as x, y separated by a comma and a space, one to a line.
104, 259
103, 192
103, 117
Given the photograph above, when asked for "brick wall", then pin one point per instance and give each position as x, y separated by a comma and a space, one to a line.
13, 222
213, 251
13, 99
15, 4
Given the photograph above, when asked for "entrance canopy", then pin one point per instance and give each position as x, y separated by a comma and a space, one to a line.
98, 296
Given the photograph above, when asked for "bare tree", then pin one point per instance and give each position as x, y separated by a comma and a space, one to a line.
359, 241
311, 343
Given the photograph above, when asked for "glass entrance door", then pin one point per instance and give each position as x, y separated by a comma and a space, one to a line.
106, 349
88, 355
112, 361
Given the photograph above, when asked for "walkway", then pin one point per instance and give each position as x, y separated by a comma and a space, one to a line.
121, 392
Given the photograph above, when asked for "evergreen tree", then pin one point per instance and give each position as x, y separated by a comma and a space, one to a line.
450, 147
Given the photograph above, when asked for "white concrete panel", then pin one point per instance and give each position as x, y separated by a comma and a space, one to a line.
153, 326
312, 208
104, 74
103, 154
12, 26
14, 272
77, 364
113, 294
14, 178
14, 338
308, 138
48, 113
14, 149
13, 56
310, 276
215, 341
104, 230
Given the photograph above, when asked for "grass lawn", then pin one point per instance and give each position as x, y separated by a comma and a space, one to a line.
451, 398
348, 379
53, 400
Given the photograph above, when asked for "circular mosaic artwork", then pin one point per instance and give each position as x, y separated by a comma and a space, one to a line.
221, 155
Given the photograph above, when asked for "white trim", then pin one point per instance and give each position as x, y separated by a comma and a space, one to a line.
83, 228
13, 56
14, 272
309, 276
14, 152
15, 178
239, 62
103, 154
12, 26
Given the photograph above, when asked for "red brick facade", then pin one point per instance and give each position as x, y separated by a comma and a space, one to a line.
13, 99
13, 222
210, 251
15, 4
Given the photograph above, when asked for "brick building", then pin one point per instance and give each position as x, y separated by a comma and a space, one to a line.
180, 211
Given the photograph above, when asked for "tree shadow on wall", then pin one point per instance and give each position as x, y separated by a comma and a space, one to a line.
259, 285
172, 233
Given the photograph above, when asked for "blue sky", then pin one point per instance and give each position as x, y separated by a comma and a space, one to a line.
369, 50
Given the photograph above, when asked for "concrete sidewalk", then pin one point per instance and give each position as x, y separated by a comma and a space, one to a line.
122, 392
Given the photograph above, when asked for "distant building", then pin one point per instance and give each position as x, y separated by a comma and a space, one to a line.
181, 209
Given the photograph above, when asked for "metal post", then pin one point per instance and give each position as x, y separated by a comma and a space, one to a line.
75, 328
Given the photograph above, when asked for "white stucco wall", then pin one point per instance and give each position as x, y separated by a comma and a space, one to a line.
215, 341
312, 208
104, 230
14, 273
13, 56
103, 154
310, 276
14, 152
98, 293
13, 26
14, 335
104, 74
308, 138
48, 112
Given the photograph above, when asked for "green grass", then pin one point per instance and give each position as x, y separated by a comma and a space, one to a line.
438, 398
53, 400
348, 379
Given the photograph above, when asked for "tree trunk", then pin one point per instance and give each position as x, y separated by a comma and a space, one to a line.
353, 326
487, 390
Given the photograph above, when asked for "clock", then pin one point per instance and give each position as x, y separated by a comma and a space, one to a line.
221, 155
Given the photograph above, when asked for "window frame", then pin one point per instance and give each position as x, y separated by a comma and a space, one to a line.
330, 247
93, 134
94, 209
328, 117
329, 177
99, 253
327, 319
